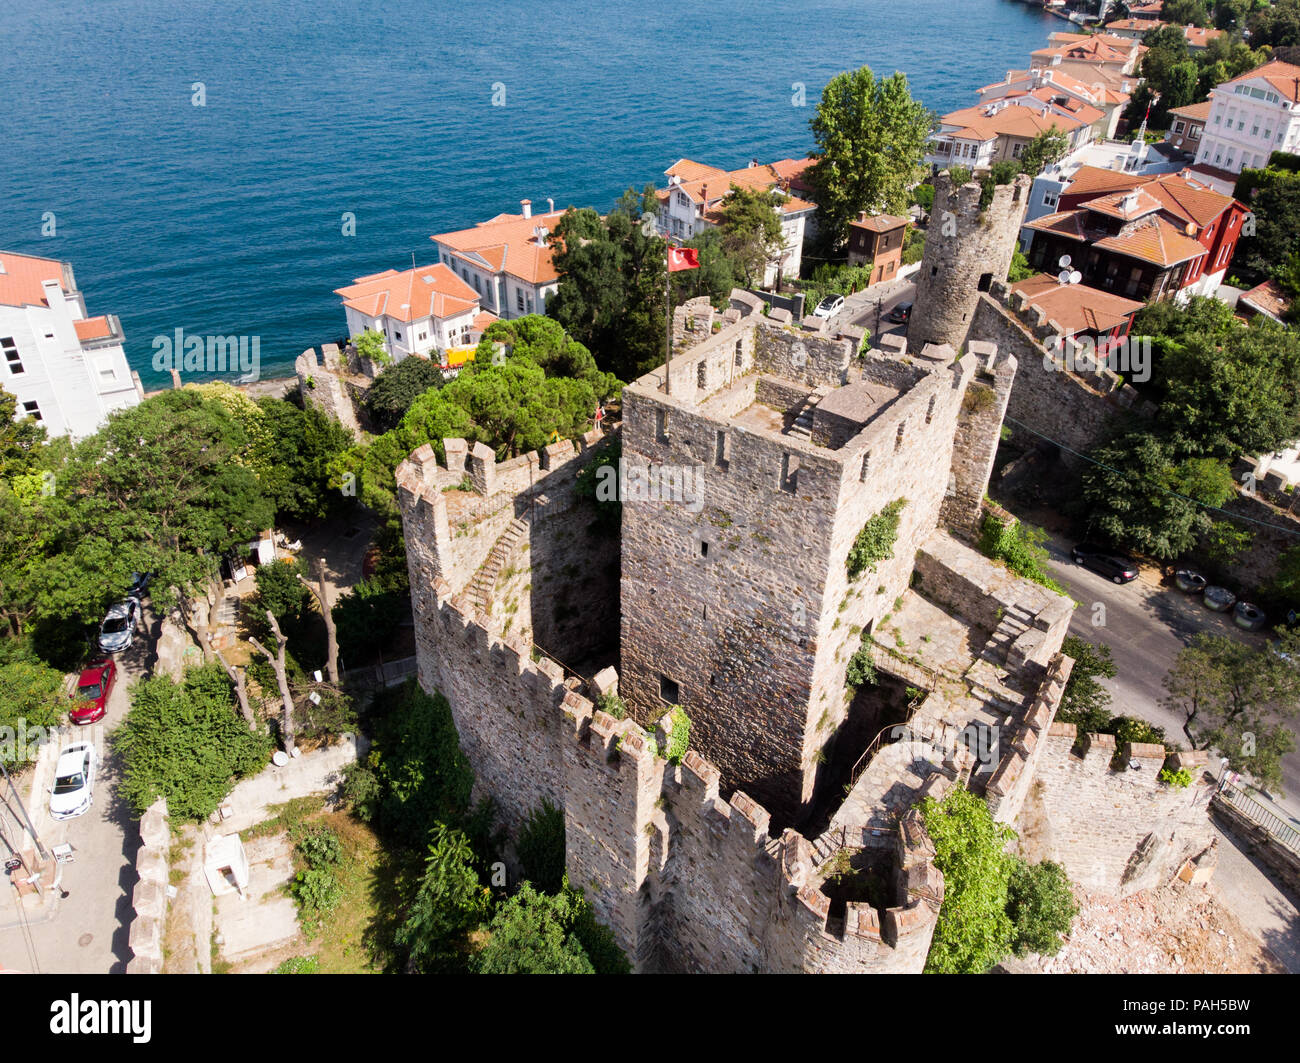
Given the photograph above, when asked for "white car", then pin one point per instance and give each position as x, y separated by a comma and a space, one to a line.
118, 629
830, 306
74, 780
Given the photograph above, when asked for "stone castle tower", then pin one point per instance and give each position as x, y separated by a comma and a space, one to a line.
738, 602
967, 250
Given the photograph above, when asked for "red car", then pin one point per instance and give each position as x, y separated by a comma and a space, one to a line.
90, 702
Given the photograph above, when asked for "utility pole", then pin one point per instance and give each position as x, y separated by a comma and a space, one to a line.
22, 808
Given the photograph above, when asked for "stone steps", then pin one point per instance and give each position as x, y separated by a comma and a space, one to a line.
485, 579
802, 426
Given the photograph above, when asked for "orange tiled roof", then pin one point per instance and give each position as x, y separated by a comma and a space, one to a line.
1268, 298
1099, 181
1135, 203
483, 320
1195, 112
1084, 112
1077, 307
1282, 76
412, 295
1152, 239
879, 223
1198, 37
1084, 48
711, 188
1013, 120
93, 328
1188, 199
506, 244
21, 277
1062, 223
1142, 25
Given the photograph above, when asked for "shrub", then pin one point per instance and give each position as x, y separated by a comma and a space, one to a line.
1085, 702
448, 905
974, 931
1179, 780
1018, 546
318, 892
875, 542
1040, 907
299, 965
186, 742
541, 847
861, 669
533, 933
679, 735
320, 847
612, 704
369, 617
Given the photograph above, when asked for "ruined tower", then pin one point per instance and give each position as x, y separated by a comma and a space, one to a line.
966, 251
737, 599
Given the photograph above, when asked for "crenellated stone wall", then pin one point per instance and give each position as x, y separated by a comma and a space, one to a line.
1117, 831
322, 383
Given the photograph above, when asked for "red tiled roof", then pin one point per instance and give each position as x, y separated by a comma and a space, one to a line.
1152, 239
483, 320
1282, 76
412, 295
21, 277
1268, 298
1196, 112
1077, 307
507, 244
93, 328
1095, 179
708, 190
1198, 37
879, 223
1013, 120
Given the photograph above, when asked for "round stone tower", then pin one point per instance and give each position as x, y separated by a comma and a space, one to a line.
966, 250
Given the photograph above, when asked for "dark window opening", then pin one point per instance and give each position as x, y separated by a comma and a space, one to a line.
669, 691
704, 549
789, 472
986, 281
661, 425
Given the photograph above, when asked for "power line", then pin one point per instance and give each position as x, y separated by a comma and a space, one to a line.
1164, 490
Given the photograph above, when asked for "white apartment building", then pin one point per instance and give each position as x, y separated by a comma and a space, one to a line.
67, 370
693, 202
506, 260
420, 311
1251, 117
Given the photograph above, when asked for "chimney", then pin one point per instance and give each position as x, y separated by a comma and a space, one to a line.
539, 234
527, 205
550, 205
862, 215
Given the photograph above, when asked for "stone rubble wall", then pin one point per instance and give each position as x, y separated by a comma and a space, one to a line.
322, 383
1117, 832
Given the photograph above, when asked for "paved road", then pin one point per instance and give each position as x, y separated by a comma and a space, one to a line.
1145, 625
860, 307
86, 932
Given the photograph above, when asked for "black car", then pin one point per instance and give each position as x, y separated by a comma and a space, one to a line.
900, 313
1104, 561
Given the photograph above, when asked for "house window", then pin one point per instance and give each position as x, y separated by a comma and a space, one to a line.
1178, 127
669, 691
1050, 199
33, 411
12, 360
519, 300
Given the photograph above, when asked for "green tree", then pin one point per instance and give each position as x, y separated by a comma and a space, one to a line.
370, 345
1276, 25
870, 135
393, 391
1140, 492
186, 742
1086, 702
1186, 12
541, 847
449, 903
751, 231
716, 276
610, 294
1235, 698
20, 440
974, 931
1268, 238
294, 460
533, 933
368, 618
1046, 148
33, 701
1041, 907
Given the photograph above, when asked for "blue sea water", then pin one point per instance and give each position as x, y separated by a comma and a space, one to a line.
227, 219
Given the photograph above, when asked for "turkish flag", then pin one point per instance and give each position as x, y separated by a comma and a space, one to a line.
680, 258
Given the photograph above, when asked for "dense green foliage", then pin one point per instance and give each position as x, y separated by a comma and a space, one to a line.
186, 742
870, 135
1237, 699
368, 619
541, 847
415, 775
861, 669
1179, 76
448, 904
315, 885
610, 295
974, 931
1040, 907
1086, 702
532, 933
1019, 547
751, 231
1267, 247
679, 735
33, 702
875, 542
397, 387
831, 278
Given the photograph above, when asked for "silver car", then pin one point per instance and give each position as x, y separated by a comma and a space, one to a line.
74, 781
118, 629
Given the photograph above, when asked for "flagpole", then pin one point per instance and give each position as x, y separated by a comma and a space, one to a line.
668, 324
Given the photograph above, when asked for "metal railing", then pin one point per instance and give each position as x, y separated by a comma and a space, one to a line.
1279, 828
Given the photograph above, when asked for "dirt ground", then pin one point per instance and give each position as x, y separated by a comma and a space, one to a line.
1176, 929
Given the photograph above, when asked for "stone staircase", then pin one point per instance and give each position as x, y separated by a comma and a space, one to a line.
802, 426
485, 579
1014, 623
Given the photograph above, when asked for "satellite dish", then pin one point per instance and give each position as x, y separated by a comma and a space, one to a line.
1075, 276
1064, 262
1064, 276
